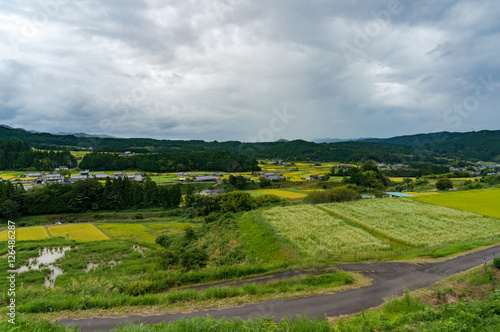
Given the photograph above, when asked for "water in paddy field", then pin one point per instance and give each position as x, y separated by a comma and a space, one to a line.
46, 258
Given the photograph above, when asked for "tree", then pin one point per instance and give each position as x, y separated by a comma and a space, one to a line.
10, 209
444, 184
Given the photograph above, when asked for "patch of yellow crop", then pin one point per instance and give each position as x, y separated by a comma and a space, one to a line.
142, 232
282, 193
483, 201
136, 232
400, 179
27, 233
78, 232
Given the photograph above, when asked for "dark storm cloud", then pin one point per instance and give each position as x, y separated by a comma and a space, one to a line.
250, 70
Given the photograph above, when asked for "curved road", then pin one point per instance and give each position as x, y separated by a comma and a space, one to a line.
389, 279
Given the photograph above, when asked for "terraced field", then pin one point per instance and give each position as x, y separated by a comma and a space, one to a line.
28, 233
282, 193
141, 232
78, 232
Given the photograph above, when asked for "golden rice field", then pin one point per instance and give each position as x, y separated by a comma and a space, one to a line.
26, 233
414, 223
483, 201
78, 232
315, 232
137, 232
281, 193
400, 179
142, 232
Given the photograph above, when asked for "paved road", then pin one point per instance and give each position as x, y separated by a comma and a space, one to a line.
389, 279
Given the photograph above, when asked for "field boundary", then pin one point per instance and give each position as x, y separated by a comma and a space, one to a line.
49, 234
363, 227
279, 237
100, 230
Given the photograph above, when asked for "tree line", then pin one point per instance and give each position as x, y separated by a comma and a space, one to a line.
86, 195
19, 155
171, 162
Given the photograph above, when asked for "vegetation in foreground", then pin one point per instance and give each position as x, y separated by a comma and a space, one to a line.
464, 302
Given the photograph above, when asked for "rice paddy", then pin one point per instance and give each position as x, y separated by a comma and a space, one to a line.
282, 193
142, 232
78, 232
27, 233
484, 201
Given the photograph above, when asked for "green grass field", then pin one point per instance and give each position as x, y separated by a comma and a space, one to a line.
28, 233
78, 232
484, 202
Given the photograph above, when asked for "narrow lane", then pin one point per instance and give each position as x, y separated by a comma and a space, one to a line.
389, 279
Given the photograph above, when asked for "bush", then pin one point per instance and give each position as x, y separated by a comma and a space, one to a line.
444, 184
190, 213
340, 194
212, 217
163, 240
194, 258
496, 262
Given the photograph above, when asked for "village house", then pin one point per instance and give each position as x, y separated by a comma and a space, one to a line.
32, 175
54, 178
208, 192
206, 178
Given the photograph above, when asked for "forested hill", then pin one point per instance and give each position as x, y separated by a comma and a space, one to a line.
19, 155
484, 145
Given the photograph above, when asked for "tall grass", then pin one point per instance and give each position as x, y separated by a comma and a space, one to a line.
260, 242
81, 297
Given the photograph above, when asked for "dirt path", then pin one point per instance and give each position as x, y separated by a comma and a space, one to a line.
389, 279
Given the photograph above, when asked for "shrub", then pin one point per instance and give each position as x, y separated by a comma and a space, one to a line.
193, 259
496, 262
212, 217
444, 184
340, 194
190, 213
163, 240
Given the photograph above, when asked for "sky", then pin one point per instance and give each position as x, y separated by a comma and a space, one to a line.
250, 70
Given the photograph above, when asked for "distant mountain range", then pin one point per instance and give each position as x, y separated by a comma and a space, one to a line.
85, 135
60, 133
336, 140
480, 145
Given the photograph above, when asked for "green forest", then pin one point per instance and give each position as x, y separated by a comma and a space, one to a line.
482, 145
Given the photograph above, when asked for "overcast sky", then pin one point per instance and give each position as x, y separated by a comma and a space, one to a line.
250, 70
